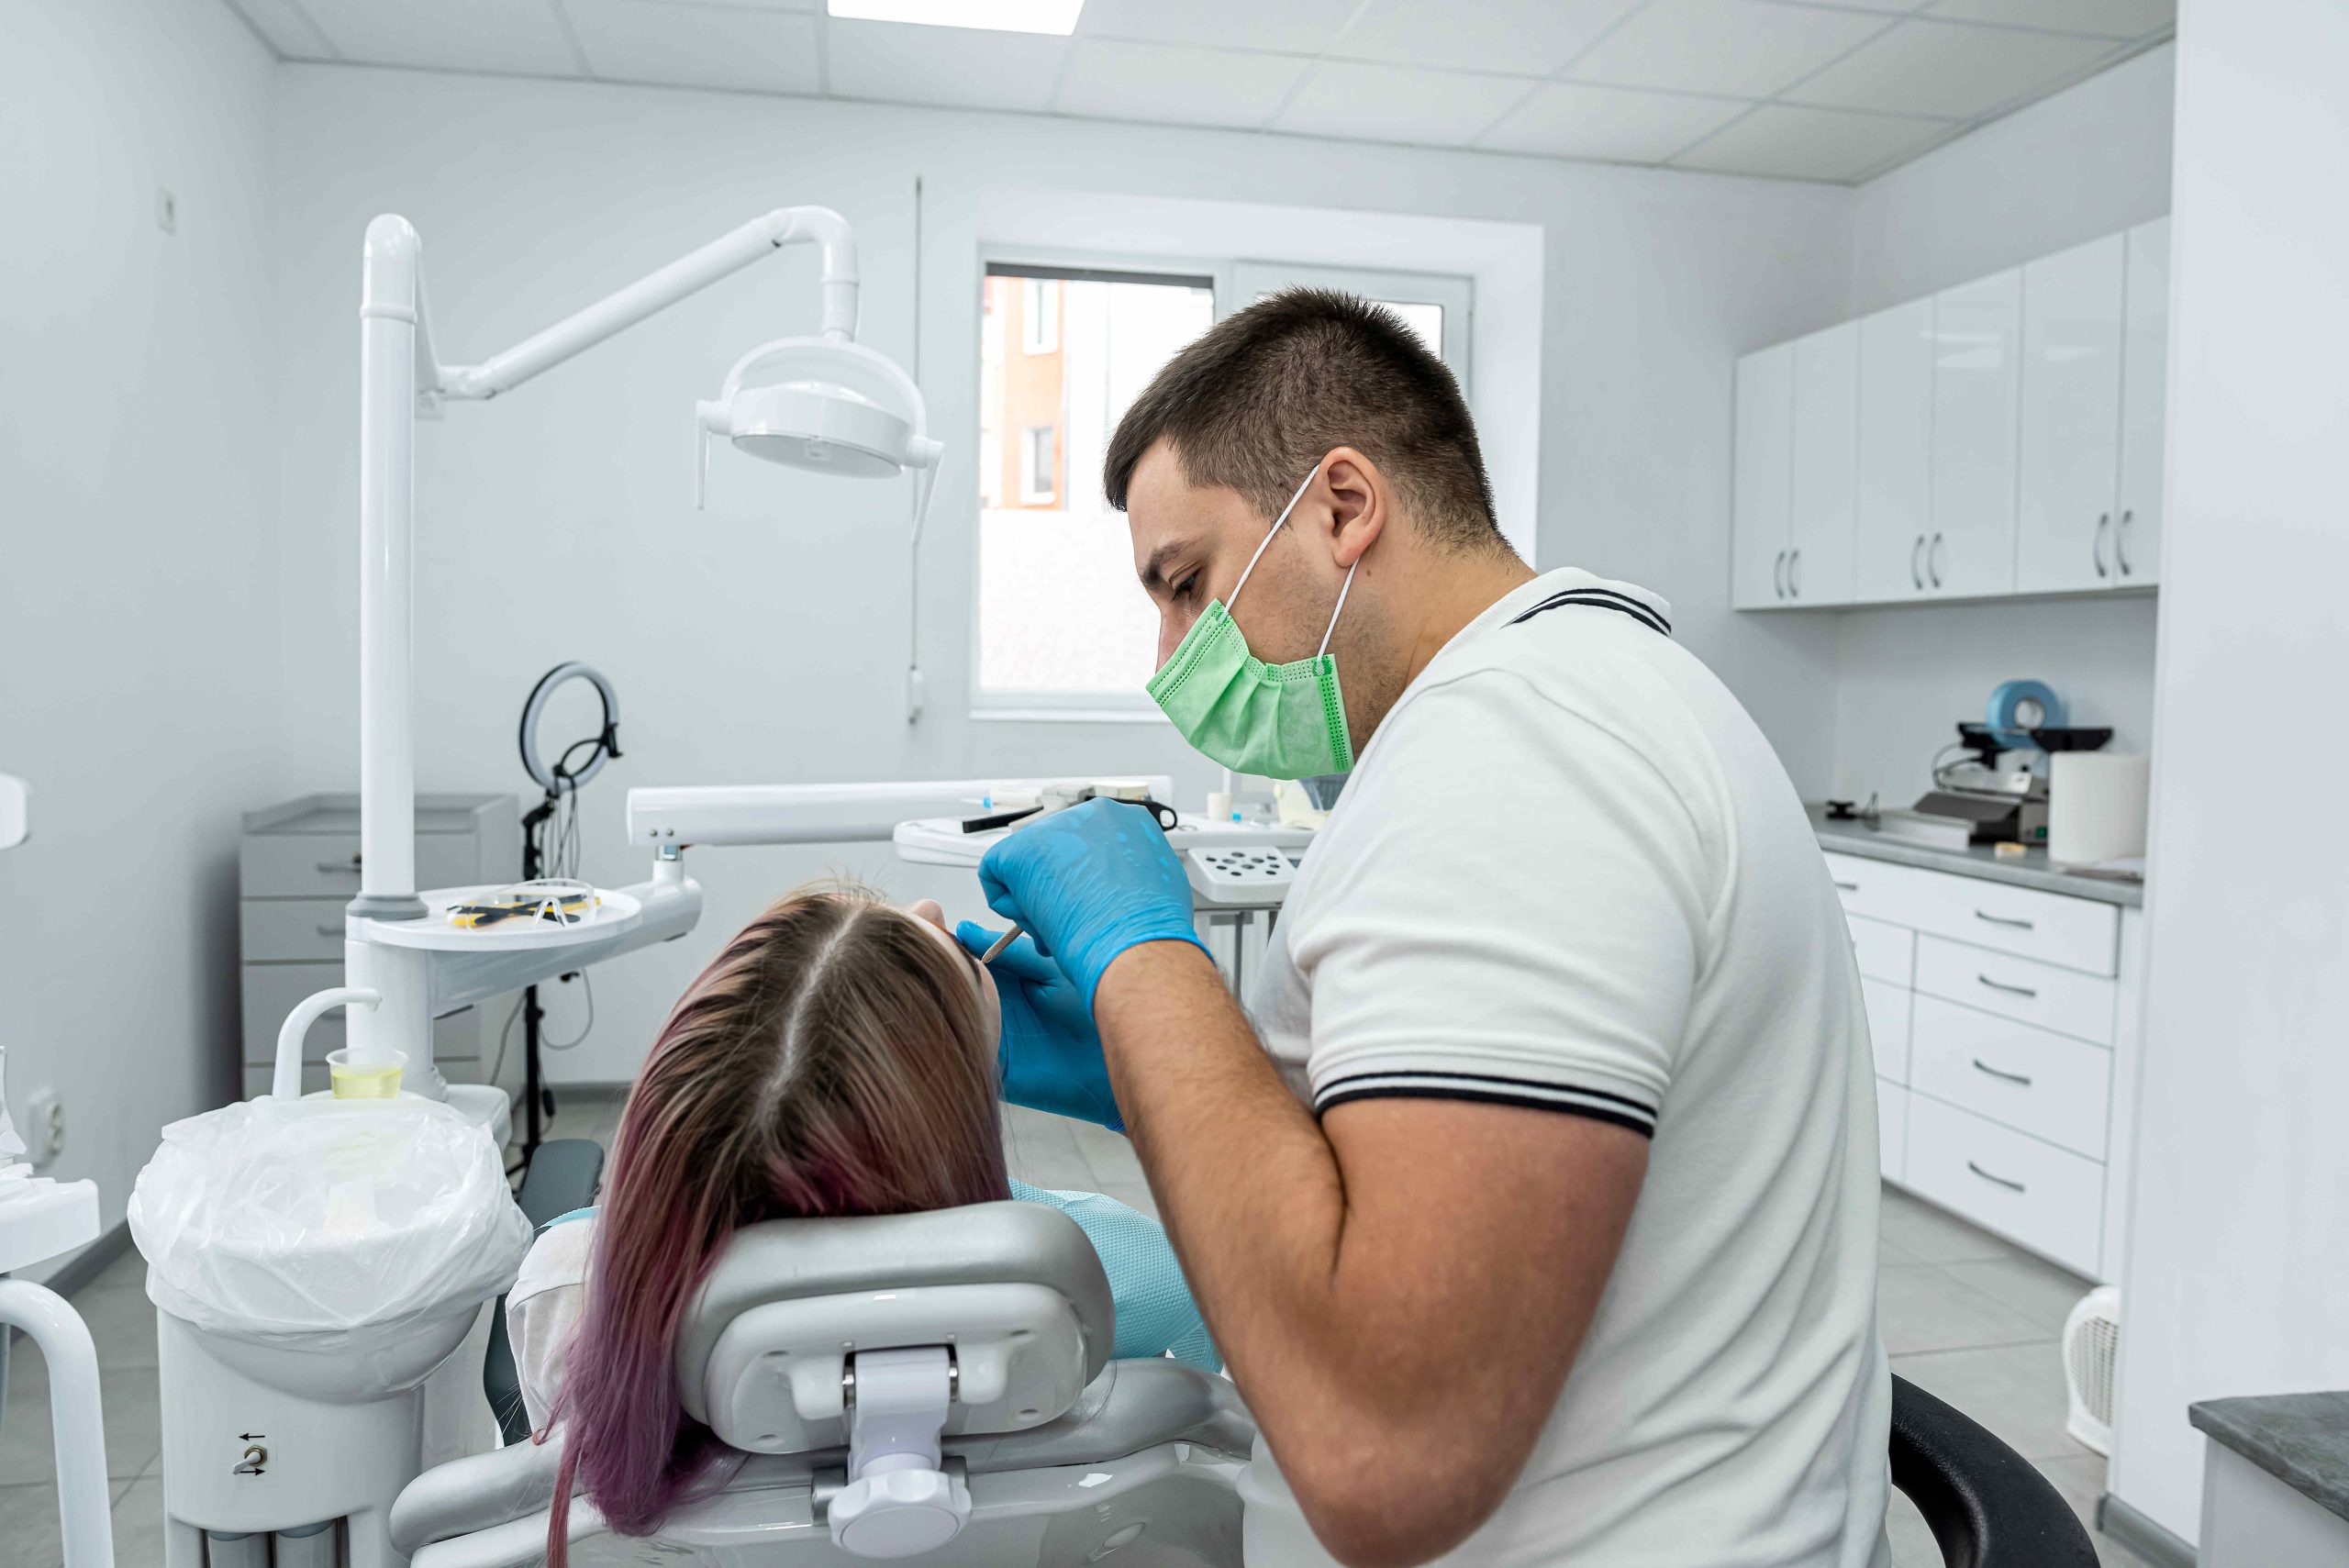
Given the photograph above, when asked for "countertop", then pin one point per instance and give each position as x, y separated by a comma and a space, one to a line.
2302, 1440
2031, 869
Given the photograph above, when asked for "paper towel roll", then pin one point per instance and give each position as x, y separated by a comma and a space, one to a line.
2096, 807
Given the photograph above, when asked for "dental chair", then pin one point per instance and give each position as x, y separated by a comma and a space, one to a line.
898, 1384
964, 1408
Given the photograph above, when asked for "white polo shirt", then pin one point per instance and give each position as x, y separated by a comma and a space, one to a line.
1569, 873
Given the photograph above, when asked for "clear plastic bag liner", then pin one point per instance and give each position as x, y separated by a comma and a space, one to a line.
326, 1225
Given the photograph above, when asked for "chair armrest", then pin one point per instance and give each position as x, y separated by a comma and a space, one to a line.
475, 1493
1986, 1507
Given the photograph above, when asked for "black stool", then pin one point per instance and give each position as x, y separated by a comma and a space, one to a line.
1987, 1506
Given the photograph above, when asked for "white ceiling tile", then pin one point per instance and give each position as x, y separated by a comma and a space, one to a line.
960, 67
289, 32
1525, 37
1567, 119
1813, 144
524, 37
2107, 19
1387, 102
1745, 47
697, 45
1940, 67
1294, 27
1113, 80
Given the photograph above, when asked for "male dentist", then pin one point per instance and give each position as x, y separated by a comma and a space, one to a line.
1532, 1199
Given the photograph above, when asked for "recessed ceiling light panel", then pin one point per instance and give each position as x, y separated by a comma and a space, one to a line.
1055, 17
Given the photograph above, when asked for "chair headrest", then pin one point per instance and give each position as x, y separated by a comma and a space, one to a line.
1015, 1288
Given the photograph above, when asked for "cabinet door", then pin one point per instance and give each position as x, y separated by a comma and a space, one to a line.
1894, 509
1826, 466
1765, 457
1975, 329
2068, 445
2145, 378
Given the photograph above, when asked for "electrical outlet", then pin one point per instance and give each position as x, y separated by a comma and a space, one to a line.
43, 1128
167, 211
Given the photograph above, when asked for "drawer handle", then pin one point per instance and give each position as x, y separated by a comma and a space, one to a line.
1848, 886
2000, 1181
2005, 920
2002, 986
341, 868
330, 930
1997, 1073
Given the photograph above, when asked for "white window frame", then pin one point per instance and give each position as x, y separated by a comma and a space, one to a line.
1236, 282
1037, 478
1040, 315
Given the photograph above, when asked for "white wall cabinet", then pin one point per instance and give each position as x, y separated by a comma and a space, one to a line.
1978, 383
1764, 471
1826, 466
2069, 444
1764, 464
1893, 517
2005, 1036
2001, 438
2144, 369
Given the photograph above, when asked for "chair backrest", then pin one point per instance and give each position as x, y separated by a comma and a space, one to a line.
1014, 1290
1986, 1505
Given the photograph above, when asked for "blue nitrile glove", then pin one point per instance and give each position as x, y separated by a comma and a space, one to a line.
1089, 883
1049, 1059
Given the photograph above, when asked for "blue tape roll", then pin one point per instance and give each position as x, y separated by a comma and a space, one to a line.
2005, 718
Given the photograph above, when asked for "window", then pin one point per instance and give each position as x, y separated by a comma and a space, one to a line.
1062, 623
1040, 315
1038, 465
1062, 628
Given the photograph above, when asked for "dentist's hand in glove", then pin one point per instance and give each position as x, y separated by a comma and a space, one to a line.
1089, 883
1049, 1056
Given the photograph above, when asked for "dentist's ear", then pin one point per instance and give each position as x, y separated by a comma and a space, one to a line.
1358, 501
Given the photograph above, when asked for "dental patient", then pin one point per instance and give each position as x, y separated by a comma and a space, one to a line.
836, 1057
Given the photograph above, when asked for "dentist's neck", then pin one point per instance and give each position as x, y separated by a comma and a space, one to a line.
1460, 588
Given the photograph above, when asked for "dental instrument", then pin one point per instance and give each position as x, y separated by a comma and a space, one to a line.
995, 948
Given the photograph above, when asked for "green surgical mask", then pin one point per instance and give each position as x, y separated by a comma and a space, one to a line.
1282, 721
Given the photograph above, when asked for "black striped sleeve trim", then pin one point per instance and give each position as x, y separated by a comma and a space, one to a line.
1599, 1105
1600, 599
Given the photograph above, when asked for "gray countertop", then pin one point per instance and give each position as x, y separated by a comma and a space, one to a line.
2302, 1440
2031, 869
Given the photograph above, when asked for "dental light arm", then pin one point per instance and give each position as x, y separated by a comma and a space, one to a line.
656, 292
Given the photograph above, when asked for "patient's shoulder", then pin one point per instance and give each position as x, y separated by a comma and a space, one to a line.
559, 1257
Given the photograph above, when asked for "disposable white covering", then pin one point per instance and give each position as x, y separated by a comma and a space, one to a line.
333, 1225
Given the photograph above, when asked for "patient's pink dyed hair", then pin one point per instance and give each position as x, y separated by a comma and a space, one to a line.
831, 1060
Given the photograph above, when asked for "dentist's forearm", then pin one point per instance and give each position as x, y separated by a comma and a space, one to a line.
1254, 1199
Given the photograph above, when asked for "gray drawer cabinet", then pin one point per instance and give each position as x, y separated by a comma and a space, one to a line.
298, 866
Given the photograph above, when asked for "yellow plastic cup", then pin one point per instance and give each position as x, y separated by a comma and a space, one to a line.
365, 1080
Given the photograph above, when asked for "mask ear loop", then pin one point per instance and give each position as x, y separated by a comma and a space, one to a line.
1346, 588
1268, 540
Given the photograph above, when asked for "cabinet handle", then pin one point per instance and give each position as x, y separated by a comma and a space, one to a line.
1933, 561
2002, 986
1996, 1073
340, 868
1779, 576
2005, 920
2001, 1181
1794, 583
329, 930
2103, 521
1848, 886
1916, 571
2121, 540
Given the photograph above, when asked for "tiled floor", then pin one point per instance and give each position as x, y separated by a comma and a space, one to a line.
1963, 1315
